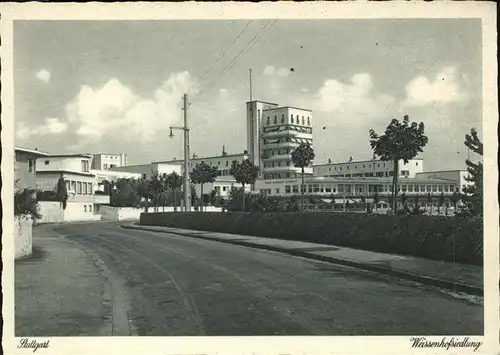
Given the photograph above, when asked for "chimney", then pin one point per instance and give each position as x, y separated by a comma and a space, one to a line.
245, 152
329, 160
224, 151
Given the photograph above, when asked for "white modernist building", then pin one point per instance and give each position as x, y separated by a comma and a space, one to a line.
369, 168
105, 161
272, 134
80, 182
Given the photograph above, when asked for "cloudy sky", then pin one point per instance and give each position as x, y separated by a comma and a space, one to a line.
116, 86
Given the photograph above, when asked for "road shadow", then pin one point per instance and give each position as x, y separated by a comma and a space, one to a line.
38, 254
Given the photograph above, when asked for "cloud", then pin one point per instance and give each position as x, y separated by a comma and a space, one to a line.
44, 76
445, 88
51, 126
354, 98
279, 72
115, 109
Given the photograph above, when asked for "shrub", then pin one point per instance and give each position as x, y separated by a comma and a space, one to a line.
26, 204
449, 239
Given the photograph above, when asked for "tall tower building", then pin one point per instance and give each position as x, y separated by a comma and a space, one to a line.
254, 133
283, 130
273, 132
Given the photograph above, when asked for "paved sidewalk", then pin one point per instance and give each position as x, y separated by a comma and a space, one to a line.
60, 291
455, 277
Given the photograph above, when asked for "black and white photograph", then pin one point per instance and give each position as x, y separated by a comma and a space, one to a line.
250, 175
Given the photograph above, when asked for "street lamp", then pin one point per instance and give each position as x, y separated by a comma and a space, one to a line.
187, 185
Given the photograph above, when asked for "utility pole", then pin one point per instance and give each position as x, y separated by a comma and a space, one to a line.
250, 85
187, 184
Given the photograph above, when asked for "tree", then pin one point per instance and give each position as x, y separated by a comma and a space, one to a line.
144, 193
244, 173
455, 198
376, 200
302, 156
440, 202
473, 193
429, 200
363, 203
404, 203
62, 191
416, 207
174, 182
202, 174
401, 141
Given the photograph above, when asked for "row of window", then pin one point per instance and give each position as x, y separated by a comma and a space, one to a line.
287, 128
293, 120
288, 140
358, 188
272, 152
110, 166
79, 187
282, 175
275, 164
378, 174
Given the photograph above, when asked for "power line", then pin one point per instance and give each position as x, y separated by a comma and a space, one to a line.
224, 52
240, 54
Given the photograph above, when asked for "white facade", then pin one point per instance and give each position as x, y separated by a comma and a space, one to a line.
450, 175
356, 187
222, 162
369, 168
254, 114
76, 163
145, 171
222, 186
282, 130
105, 161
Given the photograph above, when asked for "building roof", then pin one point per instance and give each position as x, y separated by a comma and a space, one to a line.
264, 102
442, 171
63, 172
202, 158
277, 108
360, 161
31, 151
69, 155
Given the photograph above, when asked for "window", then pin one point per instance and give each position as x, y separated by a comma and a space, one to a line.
277, 191
89, 188
84, 188
223, 188
302, 119
295, 188
144, 176
308, 121
85, 165
410, 188
85, 208
440, 188
328, 188
30, 165
227, 162
282, 118
288, 189
73, 186
268, 120
316, 188
275, 120
218, 163
452, 188
309, 188
90, 208
112, 166
79, 188
47, 162
403, 188
405, 173
422, 188
105, 166
291, 116
446, 188
434, 188
416, 164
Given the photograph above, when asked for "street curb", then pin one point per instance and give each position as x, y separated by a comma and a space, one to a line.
426, 280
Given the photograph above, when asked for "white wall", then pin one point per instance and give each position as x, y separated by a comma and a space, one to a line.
23, 226
62, 163
52, 212
120, 213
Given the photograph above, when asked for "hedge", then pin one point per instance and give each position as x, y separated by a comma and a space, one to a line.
421, 236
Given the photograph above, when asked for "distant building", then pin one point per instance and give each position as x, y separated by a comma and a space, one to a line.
222, 162
369, 168
105, 161
25, 167
145, 171
273, 132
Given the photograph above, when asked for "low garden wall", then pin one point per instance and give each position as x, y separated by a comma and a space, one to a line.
119, 213
23, 232
449, 239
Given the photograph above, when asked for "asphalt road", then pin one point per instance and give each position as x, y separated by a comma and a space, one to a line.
165, 284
